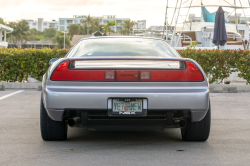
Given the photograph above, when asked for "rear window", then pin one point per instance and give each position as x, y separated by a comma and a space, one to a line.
123, 47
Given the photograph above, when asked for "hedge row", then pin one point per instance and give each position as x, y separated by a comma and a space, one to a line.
17, 64
219, 64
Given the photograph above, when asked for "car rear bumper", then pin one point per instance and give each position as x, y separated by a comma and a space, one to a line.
193, 99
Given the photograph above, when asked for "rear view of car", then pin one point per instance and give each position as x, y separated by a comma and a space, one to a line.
125, 84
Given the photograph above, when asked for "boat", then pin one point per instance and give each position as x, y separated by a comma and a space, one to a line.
181, 32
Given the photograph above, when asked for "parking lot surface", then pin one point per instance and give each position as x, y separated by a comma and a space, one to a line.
21, 143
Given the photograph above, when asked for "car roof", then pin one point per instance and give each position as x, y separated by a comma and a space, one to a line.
132, 37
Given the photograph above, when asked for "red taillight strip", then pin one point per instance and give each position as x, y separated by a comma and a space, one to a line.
60, 73
166, 75
190, 74
194, 73
89, 75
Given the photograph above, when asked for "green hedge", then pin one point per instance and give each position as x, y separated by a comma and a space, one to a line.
219, 64
17, 64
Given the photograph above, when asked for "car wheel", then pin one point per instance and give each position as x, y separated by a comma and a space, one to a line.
197, 131
51, 130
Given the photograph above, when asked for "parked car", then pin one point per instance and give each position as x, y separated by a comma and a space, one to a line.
125, 83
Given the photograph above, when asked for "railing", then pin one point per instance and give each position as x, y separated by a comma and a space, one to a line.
235, 36
184, 37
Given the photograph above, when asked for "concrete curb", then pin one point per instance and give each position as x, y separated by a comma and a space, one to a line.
227, 88
213, 88
2, 88
18, 85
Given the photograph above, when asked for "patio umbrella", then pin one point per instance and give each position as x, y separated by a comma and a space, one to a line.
220, 33
97, 33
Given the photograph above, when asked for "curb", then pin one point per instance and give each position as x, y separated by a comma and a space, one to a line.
227, 88
2, 88
19, 85
213, 88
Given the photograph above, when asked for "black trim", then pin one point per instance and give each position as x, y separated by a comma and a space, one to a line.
126, 124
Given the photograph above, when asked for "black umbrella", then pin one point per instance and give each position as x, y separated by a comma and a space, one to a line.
220, 33
97, 33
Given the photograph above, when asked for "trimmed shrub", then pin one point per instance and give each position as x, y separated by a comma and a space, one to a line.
243, 64
17, 64
219, 64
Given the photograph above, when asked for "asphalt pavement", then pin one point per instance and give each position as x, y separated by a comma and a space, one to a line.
21, 143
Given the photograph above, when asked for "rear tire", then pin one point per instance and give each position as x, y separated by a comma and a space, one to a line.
197, 131
51, 130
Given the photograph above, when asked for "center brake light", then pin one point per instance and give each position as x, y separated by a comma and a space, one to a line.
191, 73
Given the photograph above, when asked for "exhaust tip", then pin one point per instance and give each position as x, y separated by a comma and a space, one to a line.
182, 123
74, 122
71, 122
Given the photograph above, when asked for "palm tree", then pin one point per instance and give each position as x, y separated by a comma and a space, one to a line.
21, 32
2, 21
96, 26
49, 33
128, 26
88, 21
74, 29
59, 39
108, 26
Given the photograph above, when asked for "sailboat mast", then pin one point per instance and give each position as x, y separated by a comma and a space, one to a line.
166, 20
236, 19
176, 21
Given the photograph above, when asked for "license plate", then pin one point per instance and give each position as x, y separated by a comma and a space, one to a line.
127, 106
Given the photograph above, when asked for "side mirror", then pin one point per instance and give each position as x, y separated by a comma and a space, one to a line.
53, 60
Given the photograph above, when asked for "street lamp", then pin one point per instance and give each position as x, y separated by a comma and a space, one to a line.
64, 39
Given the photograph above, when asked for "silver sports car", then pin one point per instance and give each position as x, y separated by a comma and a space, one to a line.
125, 83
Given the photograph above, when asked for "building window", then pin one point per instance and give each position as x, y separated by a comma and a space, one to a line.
34, 24
69, 21
44, 24
61, 28
61, 22
52, 25
118, 21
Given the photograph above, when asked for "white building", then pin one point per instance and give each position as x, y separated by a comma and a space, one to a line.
140, 25
35, 44
41, 25
3, 30
64, 23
